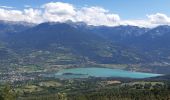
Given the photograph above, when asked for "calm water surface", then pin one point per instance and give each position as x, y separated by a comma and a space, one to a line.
101, 72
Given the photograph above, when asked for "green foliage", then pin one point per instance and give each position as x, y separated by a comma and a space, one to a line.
94, 90
7, 93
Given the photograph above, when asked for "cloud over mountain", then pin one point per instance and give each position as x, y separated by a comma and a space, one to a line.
61, 12
58, 11
97, 16
159, 18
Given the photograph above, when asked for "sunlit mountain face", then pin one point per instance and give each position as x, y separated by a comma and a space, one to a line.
84, 50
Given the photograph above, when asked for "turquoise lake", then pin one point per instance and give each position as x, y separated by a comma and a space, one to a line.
101, 72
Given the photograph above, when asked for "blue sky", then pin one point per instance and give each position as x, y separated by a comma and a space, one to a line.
142, 13
127, 9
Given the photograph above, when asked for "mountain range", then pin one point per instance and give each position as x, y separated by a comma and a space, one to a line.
75, 43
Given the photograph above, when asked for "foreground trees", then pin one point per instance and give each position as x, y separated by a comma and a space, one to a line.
125, 91
7, 93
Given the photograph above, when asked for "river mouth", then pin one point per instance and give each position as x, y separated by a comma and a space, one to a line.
101, 72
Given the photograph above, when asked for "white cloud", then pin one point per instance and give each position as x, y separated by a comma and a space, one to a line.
33, 15
61, 12
152, 20
28, 15
11, 15
58, 11
97, 16
159, 18
140, 23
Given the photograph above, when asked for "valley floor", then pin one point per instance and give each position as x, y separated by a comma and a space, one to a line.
88, 89
27, 83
